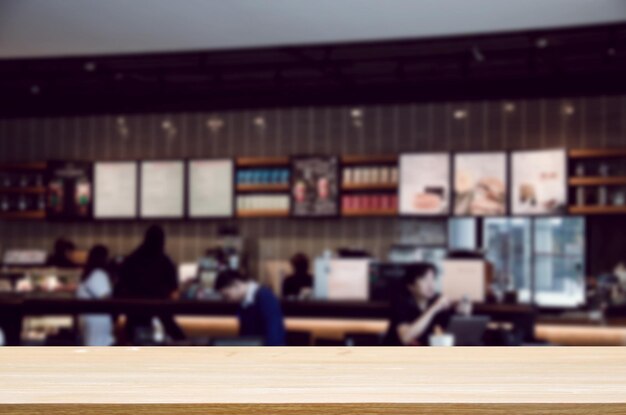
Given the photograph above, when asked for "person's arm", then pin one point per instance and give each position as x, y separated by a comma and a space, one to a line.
408, 332
272, 319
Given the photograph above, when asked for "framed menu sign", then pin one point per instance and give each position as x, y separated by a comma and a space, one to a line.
314, 186
115, 185
162, 189
480, 184
70, 190
210, 188
538, 182
425, 184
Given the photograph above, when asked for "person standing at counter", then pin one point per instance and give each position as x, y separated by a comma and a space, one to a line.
149, 273
96, 329
300, 283
260, 314
60, 257
419, 311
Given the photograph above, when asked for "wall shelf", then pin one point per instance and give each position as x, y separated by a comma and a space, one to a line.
26, 215
23, 190
369, 212
261, 188
262, 162
597, 210
355, 160
263, 213
591, 153
597, 181
370, 186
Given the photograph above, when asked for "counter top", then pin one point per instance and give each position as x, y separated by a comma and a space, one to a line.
313, 380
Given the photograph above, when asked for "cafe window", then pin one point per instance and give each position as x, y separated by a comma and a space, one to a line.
552, 250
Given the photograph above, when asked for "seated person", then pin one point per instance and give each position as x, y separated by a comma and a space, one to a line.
419, 311
260, 313
300, 283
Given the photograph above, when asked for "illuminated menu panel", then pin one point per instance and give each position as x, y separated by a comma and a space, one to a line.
162, 189
115, 186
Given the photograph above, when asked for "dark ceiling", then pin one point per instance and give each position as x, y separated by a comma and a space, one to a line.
577, 61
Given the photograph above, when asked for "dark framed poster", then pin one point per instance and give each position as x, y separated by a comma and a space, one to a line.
315, 186
70, 190
539, 182
425, 184
480, 184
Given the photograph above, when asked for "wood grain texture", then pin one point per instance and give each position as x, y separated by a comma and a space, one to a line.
422, 376
318, 409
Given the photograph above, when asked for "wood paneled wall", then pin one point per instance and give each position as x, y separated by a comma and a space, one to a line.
598, 121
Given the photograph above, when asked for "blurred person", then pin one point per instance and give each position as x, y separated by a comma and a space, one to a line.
149, 273
323, 188
420, 312
259, 314
300, 283
61, 254
96, 329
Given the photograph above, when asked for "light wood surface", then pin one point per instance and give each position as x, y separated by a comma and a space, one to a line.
313, 380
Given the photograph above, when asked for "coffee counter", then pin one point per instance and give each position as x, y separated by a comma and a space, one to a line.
329, 381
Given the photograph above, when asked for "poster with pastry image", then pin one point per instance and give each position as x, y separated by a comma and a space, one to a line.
425, 184
480, 184
538, 182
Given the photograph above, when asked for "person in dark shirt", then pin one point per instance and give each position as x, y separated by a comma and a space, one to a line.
149, 273
418, 311
260, 314
60, 256
300, 283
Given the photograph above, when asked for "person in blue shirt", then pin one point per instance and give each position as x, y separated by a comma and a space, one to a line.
260, 313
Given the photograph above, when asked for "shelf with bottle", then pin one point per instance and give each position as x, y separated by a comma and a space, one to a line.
597, 181
260, 206
22, 191
262, 175
383, 178
369, 205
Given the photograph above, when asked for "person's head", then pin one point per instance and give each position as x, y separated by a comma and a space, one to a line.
98, 258
63, 247
323, 188
420, 280
154, 240
231, 285
299, 191
300, 263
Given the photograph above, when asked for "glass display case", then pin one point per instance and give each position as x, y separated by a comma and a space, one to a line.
541, 259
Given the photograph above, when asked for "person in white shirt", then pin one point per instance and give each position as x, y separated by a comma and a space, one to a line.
96, 329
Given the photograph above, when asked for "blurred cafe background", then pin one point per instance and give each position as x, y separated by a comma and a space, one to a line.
321, 173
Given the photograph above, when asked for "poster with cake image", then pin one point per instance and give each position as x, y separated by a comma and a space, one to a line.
538, 182
425, 184
315, 189
480, 181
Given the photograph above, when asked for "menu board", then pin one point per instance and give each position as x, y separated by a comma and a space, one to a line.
115, 190
69, 190
538, 182
162, 189
315, 190
425, 184
480, 184
210, 188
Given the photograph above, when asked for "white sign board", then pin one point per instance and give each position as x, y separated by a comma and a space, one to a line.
539, 182
210, 188
162, 189
115, 185
425, 184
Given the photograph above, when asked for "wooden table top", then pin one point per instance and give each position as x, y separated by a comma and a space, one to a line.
297, 380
